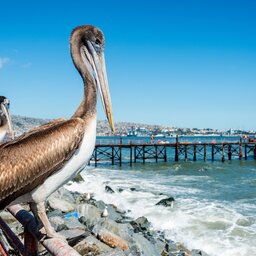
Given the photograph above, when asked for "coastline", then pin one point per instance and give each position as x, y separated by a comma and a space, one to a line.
139, 234
80, 220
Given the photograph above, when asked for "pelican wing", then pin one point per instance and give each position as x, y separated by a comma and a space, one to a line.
27, 161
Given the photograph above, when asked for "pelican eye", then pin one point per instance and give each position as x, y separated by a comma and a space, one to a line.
97, 42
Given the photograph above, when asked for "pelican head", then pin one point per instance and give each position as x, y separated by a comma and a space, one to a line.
87, 51
5, 118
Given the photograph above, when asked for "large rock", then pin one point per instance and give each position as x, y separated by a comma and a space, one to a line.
125, 231
103, 248
115, 252
57, 222
65, 194
113, 212
112, 240
141, 224
90, 215
108, 189
196, 252
99, 204
166, 202
78, 178
60, 204
142, 246
84, 248
73, 223
74, 233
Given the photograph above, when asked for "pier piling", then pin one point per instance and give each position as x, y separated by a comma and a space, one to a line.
157, 152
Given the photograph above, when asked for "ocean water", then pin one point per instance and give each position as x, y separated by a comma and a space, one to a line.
215, 203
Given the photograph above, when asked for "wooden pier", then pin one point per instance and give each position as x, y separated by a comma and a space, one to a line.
119, 153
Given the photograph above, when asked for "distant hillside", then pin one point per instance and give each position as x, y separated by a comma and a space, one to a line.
22, 124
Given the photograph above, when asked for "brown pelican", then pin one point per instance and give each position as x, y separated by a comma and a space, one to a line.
5, 119
37, 163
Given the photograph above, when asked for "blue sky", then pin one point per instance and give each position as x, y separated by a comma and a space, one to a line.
176, 63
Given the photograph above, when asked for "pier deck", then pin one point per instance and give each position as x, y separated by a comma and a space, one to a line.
119, 153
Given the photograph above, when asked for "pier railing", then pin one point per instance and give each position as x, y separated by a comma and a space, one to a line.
140, 151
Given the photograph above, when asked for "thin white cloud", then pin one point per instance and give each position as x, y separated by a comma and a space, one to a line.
4, 61
26, 65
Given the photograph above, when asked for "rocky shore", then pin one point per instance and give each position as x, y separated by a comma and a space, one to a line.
95, 228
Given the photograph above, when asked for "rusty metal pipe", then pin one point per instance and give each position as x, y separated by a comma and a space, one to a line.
3, 251
59, 248
55, 246
15, 240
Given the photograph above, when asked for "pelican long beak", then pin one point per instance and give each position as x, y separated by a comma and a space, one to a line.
99, 68
8, 117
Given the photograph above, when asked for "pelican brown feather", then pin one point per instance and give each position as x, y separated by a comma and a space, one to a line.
21, 172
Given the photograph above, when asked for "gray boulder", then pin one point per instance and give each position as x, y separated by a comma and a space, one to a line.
73, 223
108, 189
57, 222
114, 252
166, 202
90, 215
60, 204
142, 246
196, 252
141, 224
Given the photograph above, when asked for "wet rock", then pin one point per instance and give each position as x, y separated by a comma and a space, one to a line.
115, 252
142, 246
57, 222
60, 204
124, 220
84, 248
196, 252
99, 204
112, 240
108, 189
65, 194
84, 198
120, 190
166, 202
133, 189
121, 211
164, 253
103, 248
141, 224
78, 178
53, 213
113, 214
74, 233
125, 231
171, 247
90, 215
73, 223
183, 250
112, 210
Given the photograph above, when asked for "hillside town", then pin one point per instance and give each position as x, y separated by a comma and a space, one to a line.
22, 124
